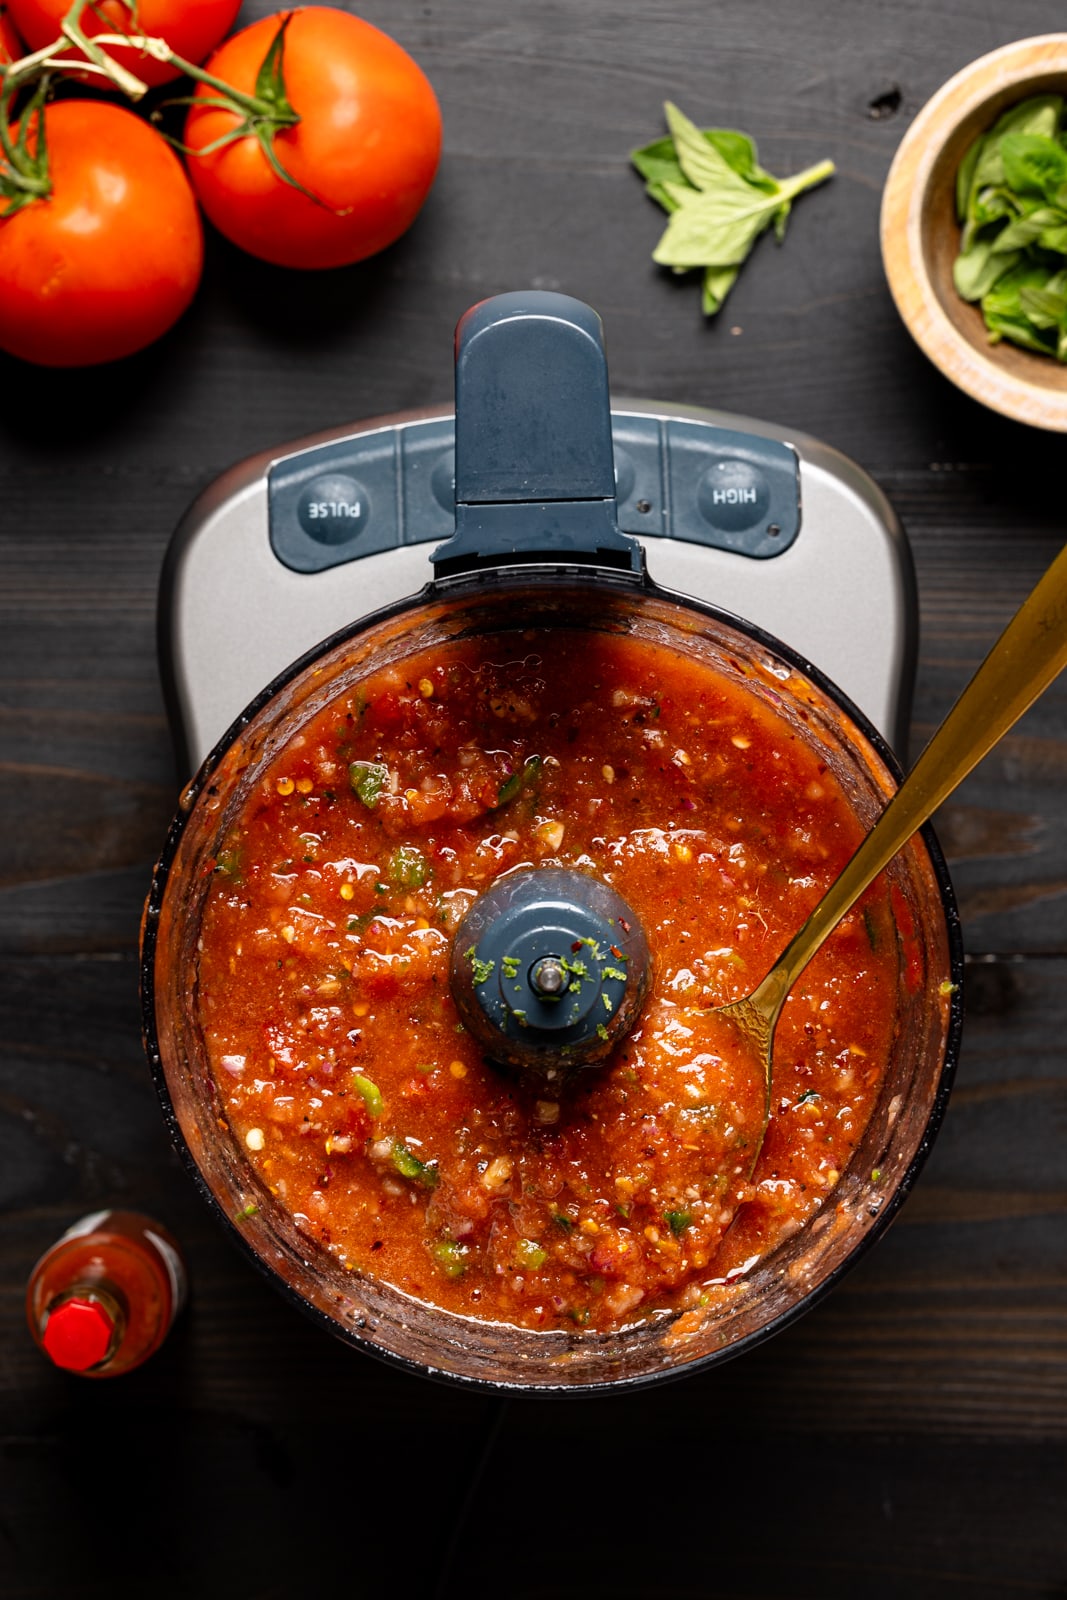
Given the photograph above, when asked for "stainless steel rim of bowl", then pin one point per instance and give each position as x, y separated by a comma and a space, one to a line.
350, 1332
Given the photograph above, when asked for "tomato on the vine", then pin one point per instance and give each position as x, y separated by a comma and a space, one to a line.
364, 148
10, 43
192, 28
112, 256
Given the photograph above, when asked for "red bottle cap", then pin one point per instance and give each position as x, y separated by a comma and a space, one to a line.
78, 1334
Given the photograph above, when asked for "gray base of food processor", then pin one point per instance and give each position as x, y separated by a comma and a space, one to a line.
297, 543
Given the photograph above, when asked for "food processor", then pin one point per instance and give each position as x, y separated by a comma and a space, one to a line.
539, 503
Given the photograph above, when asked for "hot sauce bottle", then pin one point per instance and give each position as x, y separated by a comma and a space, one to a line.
103, 1298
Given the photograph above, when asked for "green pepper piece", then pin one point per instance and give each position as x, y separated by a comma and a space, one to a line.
228, 863
407, 867
677, 1221
371, 1095
526, 775
368, 780
509, 788
450, 1257
409, 1166
528, 1254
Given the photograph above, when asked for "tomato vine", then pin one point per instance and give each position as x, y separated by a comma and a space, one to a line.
24, 175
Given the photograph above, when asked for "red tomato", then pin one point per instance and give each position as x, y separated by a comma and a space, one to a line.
10, 43
367, 144
192, 28
113, 256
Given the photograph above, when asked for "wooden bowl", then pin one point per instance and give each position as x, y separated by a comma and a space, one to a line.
921, 237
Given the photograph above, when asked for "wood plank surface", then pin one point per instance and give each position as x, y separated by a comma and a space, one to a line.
908, 1437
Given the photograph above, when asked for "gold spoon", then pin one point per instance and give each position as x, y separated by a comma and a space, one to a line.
1026, 658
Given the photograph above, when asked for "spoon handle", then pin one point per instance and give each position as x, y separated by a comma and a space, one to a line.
1026, 658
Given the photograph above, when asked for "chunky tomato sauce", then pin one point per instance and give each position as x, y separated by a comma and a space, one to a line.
343, 1067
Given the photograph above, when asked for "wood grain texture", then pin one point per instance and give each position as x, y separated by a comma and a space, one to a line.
919, 1415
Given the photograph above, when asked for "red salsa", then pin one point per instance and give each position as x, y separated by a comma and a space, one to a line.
342, 1064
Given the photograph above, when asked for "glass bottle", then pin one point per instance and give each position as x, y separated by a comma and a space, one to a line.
103, 1298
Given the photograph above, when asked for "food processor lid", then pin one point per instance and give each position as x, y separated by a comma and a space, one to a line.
535, 466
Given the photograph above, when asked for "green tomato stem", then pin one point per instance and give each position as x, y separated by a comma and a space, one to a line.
24, 177
122, 79
159, 50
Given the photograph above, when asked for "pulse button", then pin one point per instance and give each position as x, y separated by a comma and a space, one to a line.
733, 495
333, 508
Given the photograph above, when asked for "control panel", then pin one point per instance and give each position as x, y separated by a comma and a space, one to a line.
676, 478
290, 546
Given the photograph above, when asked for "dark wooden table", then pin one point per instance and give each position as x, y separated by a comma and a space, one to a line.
905, 1439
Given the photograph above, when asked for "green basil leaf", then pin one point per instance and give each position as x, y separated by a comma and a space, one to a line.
965, 178
1039, 115
1016, 332
975, 271
679, 194
1005, 298
1024, 231
1034, 165
988, 171
1004, 312
992, 203
661, 197
739, 153
719, 226
718, 281
718, 197
658, 162
712, 228
1045, 308
703, 164
977, 224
